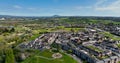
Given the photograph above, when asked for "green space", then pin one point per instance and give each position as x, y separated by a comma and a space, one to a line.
103, 57
95, 48
27, 30
107, 34
118, 45
46, 57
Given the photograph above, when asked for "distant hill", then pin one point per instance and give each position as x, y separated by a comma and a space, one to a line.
1, 16
58, 16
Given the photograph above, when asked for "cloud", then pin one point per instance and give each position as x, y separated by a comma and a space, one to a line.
99, 2
17, 7
109, 8
113, 7
31, 8
24, 8
83, 7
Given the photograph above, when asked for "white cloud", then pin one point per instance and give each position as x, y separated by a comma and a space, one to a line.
82, 7
27, 8
17, 7
108, 8
113, 7
99, 2
31, 8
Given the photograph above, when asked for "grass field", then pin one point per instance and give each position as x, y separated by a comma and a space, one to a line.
111, 36
46, 57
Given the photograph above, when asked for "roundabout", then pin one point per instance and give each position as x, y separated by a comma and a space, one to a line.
57, 55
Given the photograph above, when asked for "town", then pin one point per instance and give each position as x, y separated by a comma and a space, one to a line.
89, 45
59, 31
60, 39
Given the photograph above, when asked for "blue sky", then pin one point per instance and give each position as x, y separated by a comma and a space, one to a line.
60, 7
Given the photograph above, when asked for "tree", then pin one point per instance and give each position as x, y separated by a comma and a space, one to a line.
9, 56
69, 51
12, 30
1, 56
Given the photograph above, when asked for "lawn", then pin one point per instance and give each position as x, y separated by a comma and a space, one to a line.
74, 29
118, 45
94, 48
46, 57
111, 36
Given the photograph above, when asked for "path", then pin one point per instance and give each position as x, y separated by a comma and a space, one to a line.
45, 57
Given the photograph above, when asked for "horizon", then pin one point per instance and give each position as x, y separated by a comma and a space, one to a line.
60, 7
58, 16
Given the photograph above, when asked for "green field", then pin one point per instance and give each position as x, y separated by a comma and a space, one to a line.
46, 57
111, 36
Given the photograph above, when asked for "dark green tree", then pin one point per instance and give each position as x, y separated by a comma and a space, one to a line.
9, 56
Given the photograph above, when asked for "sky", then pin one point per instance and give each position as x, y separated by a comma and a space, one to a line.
60, 7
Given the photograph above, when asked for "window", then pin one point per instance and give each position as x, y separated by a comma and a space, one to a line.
108, 61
